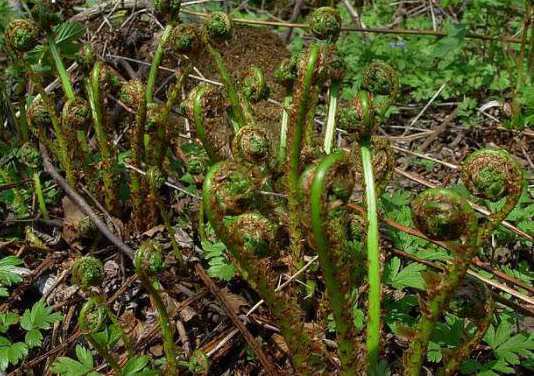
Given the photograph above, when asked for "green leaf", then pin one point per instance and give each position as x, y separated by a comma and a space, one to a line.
410, 276
33, 338
9, 272
135, 365
7, 319
11, 353
65, 366
39, 317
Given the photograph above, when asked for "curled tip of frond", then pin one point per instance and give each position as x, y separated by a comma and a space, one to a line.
471, 300
218, 26
232, 188
22, 35
197, 160
167, 7
149, 258
251, 144
209, 97
87, 271
442, 214
253, 233
380, 78
492, 174
38, 114
86, 57
155, 178
286, 72
254, 86
132, 93
358, 116
92, 316
325, 23
29, 155
76, 113
87, 228
383, 161
183, 38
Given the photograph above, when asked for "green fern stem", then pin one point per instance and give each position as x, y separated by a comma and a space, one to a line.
104, 353
373, 260
39, 194
156, 61
237, 115
330, 131
136, 147
95, 101
198, 119
340, 305
457, 357
60, 68
164, 323
61, 140
282, 147
299, 115
85, 149
431, 312
286, 311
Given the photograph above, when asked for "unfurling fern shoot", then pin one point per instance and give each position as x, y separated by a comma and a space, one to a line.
148, 263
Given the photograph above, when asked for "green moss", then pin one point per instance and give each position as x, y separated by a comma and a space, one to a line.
325, 23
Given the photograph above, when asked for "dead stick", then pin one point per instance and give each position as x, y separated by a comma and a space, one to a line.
82, 204
265, 362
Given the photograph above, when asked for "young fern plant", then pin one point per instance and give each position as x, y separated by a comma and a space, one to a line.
148, 263
444, 215
88, 274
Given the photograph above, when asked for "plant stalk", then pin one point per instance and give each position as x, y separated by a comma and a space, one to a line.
340, 305
330, 131
39, 194
373, 260
156, 61
95, 101
299, 114
164, 323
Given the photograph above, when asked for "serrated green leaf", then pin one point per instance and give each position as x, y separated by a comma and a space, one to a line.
39, 317
33, 338
7, 319
66, 366
135, 365
9, 274
410, 276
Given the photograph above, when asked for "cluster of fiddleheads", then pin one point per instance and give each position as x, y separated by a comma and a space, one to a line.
267, 196
444, 215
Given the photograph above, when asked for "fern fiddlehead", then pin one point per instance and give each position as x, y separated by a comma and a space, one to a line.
331, 187
229, 198
487, 173
148, 262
